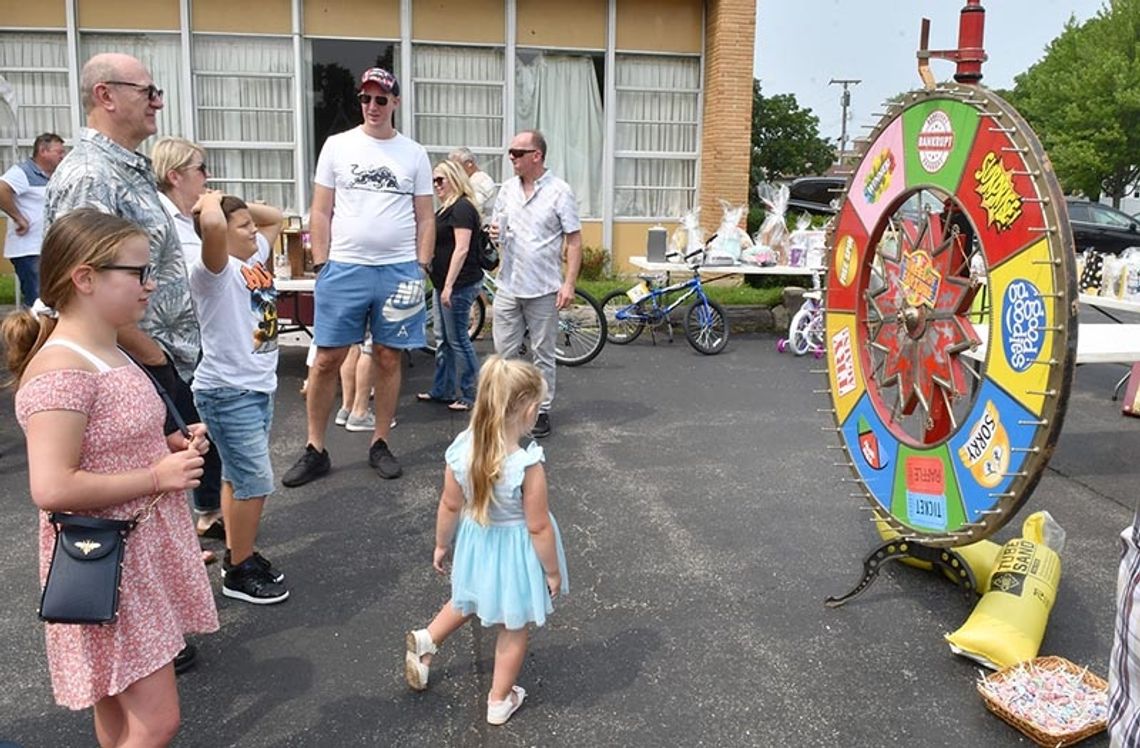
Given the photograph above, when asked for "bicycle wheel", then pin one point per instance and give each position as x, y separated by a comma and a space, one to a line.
799, 331
581, 331
477, 319
706, 326
621, 331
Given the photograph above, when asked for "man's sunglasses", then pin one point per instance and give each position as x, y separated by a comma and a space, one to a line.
152, 91
366, 99
144, 272
520, 152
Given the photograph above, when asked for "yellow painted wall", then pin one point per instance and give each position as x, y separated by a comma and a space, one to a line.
659, 25
629, 241
369, 19
43, 14
463, 21
242, 16
151, 15
542, 23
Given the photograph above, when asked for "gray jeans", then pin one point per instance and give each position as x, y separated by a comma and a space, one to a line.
513, 318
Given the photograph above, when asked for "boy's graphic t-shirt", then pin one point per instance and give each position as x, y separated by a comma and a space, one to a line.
237, 310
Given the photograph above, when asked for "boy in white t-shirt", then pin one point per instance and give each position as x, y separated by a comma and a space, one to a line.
369, 254
236, 379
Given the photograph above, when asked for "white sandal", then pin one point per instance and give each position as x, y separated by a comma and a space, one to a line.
498, 712
418, 644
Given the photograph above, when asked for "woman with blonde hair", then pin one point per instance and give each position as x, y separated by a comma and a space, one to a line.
457, 279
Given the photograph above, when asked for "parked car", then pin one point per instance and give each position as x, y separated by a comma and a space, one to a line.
1102, 227
819, 196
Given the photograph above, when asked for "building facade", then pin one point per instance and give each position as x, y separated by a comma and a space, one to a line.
646, 104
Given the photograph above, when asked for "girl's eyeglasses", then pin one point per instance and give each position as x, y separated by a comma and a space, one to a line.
437, 181
144, 272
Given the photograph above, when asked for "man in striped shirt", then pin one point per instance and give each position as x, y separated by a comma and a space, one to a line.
1124, 666
535, 215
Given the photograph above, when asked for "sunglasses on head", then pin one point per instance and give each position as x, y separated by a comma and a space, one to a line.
152, 91
144, 272
520, 152
366, 99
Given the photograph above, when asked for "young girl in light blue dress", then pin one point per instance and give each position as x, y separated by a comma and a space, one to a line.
508, 564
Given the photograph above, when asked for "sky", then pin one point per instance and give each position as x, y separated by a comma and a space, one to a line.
803, 44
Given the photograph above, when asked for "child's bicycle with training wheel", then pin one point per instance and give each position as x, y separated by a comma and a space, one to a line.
648, 304
805, 332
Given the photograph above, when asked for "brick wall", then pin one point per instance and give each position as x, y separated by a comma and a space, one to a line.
726, 137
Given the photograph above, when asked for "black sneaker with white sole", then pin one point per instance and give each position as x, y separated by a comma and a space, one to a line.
262, 561
541, 428
312, 465
249, 582
383, 461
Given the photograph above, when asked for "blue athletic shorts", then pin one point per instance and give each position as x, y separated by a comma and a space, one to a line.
238, 421
349, 299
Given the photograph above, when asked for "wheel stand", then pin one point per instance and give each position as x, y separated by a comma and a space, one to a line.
943, 559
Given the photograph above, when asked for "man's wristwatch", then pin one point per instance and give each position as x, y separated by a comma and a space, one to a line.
317, 267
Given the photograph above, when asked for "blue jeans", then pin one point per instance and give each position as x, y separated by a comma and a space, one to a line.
28, 273
455, 355
239, 421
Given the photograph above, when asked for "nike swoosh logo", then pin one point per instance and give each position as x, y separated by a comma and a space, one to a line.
392, 313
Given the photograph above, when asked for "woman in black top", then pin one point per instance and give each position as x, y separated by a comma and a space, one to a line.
457, 280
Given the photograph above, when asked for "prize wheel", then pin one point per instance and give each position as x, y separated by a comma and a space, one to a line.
951, 315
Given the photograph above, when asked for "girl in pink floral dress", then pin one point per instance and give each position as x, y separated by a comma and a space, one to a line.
94, 422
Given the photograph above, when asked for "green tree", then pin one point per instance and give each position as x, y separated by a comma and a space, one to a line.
785, 140
1083, 99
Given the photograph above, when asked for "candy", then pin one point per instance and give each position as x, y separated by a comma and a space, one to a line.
1053, 700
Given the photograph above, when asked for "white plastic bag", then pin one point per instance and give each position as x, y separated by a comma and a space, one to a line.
774, 231
725, 249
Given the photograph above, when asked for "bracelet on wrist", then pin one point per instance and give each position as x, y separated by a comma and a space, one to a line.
153, 477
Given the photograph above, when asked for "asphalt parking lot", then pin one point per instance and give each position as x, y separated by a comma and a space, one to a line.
704, 522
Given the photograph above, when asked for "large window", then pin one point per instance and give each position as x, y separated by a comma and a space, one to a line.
34, 65
656, 142
243, 91
459, 102
560, 94
162, 56
337, 66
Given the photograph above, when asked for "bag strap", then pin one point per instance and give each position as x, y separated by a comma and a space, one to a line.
88, 523
170, 407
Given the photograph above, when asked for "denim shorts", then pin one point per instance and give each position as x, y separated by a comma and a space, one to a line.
349, 299
238, 421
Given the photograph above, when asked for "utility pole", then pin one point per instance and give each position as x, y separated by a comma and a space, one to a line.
844, 101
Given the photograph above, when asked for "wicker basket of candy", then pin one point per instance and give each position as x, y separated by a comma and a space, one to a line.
1049, 699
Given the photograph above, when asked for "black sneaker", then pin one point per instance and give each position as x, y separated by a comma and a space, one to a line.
248, 581
541, 426
383, 461
262, 561
184, 660
312, 465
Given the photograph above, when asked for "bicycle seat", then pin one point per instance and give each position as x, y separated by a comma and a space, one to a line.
650, 278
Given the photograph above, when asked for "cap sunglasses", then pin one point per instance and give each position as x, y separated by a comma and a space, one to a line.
366, 99
152, 91
144, 272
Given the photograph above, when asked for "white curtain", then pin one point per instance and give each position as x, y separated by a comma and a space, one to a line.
657, 115
162, 56
43, 100
458, 97
558, 94
243, 90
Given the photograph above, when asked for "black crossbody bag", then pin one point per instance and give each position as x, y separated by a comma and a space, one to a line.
87, 560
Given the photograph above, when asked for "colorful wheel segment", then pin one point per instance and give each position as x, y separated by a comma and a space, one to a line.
950, 314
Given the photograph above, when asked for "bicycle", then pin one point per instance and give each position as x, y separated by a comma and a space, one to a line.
581, 324
805, 332
705, 322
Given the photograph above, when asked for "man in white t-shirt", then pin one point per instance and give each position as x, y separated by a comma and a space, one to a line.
373, 234
481, 181
22, 190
